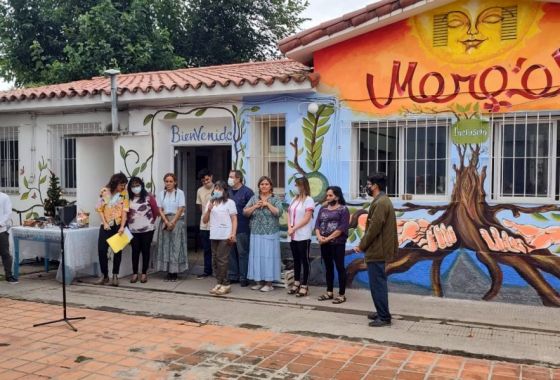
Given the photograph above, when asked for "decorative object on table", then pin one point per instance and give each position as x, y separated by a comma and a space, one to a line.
54, 196
82, 219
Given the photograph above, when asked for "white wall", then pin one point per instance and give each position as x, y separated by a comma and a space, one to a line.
95, 165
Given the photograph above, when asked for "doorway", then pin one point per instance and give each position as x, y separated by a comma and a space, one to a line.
188, 162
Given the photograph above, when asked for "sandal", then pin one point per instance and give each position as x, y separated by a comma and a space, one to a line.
134, 279
339, 299
303, 291
325, 297
144, 278
294, 289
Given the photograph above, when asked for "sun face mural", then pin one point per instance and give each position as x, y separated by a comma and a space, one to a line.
476, 31
477, 59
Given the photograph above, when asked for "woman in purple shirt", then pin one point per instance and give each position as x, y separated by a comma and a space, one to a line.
331, 229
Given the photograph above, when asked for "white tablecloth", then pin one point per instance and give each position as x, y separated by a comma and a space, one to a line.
80, 247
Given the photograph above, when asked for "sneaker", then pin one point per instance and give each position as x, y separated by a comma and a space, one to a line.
215, 289
168, 277
244, 283
174, 277
267, 288
12, 280
256, 287
102, 281
202, 276
223, 290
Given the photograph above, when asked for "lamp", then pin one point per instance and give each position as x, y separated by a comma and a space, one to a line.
313, 108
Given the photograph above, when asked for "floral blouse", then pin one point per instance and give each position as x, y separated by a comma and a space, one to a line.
112, 206
263, 222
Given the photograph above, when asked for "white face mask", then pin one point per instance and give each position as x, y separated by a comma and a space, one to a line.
136, 189
231, 182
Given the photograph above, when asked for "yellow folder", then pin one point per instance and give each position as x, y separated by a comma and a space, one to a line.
118, 242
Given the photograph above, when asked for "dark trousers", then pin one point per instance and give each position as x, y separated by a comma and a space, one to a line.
378, 288
141, 243
5, 253
220, 259
239, 258
207, 248
333, 255
300, 252
103, 247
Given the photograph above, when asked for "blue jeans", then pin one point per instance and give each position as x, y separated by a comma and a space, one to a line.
239, 258
207, 248
378, 288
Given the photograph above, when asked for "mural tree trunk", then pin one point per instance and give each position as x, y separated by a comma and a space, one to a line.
471, 217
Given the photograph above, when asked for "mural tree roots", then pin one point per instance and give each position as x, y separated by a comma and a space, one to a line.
469, 215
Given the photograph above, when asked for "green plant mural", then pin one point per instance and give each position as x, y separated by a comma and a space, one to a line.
138, 167
33, 191
239, 131
314, 127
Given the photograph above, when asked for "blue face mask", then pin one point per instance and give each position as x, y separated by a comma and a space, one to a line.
217, 194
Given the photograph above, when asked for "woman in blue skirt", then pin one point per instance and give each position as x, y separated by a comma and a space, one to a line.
265, 210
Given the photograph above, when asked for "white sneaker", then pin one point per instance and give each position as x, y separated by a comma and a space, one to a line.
223, 290
267, 288
257, 287
215, 289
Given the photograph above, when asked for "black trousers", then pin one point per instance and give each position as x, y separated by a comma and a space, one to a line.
333, 255
103, 247
141, 243
300, 252
7, 261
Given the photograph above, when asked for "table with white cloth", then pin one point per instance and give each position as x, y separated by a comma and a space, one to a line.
80, 250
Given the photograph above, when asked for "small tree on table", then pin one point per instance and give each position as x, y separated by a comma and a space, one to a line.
54, 196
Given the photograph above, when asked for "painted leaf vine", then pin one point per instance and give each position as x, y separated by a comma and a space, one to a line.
138, 168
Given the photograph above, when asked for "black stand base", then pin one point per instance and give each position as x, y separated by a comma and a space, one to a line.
64, 317
67, 320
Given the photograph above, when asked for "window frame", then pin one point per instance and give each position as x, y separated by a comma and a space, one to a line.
265, 152
402, 124
11, 134
497, 156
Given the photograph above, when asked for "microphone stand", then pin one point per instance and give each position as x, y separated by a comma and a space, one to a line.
64, 315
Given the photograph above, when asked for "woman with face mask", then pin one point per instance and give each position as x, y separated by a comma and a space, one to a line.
221, 215
331, 229
141, 222
171, 239
300, 228
112, 207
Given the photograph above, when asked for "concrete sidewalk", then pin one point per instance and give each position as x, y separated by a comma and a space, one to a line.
526, 334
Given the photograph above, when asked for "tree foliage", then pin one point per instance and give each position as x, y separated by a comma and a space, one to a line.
55, 41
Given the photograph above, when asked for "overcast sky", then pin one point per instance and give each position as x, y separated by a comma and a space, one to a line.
318, 11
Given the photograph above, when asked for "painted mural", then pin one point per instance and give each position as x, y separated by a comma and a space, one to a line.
239, 146
469, 60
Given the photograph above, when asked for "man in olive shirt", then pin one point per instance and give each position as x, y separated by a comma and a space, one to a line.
380, 244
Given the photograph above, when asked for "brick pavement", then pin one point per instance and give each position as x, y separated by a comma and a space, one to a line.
115, 345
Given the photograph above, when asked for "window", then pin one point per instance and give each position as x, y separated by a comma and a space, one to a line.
63, 150
270, 149
526, 157
412, 153
9, 159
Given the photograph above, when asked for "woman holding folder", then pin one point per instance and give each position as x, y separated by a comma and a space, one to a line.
112, 207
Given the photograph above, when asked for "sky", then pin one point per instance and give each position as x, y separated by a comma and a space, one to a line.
318, 12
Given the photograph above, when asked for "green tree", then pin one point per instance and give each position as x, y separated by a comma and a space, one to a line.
55, 41
233, 31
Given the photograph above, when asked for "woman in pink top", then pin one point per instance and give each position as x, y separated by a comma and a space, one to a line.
300, 228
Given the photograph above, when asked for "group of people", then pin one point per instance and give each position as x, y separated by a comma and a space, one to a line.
239, 231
